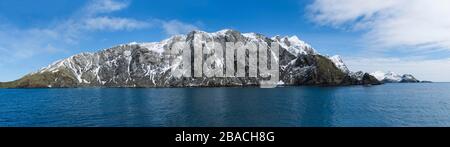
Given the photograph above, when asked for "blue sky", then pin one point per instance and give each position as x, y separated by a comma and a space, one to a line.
33, 35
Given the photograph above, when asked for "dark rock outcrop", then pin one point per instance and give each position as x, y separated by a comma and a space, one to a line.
407, 78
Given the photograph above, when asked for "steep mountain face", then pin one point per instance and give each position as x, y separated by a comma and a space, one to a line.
149, 65
392, 77
337, 60
363, 78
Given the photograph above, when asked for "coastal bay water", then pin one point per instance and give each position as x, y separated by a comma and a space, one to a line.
424, 104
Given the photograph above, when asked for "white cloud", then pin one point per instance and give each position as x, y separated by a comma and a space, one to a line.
114, 23
420, 24
175, 27
424, 69
105, 6
94, 18
21, 43
24, 43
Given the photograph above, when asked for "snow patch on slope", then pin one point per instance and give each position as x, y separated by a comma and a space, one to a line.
337, 60
392, 76
379, 75
294, 45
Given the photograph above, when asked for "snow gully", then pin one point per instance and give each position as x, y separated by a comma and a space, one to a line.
212, 60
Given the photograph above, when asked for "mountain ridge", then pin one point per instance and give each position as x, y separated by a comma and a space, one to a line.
148, 65
392, 77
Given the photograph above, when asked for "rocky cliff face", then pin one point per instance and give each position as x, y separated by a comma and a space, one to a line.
149, 65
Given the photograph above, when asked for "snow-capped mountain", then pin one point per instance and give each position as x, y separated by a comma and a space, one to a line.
359, 77
337, 60
148, 65
379, 75
392, 77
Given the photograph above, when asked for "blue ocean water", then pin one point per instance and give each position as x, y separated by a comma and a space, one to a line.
426, 104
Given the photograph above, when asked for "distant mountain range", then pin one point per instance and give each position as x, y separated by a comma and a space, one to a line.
147, 65
392, 77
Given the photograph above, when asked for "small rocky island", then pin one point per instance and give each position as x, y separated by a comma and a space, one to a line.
148, 65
